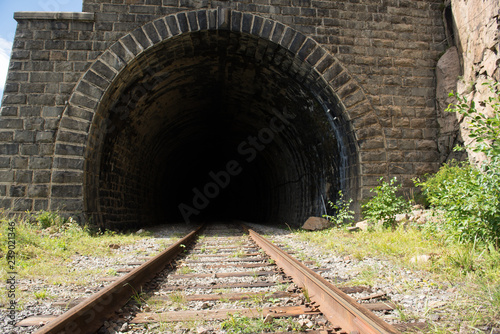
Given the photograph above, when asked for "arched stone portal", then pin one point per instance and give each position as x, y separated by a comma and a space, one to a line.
215, 114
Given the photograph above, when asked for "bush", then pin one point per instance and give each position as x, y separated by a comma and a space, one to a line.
385, 205
469, 198
485, 130
342, 215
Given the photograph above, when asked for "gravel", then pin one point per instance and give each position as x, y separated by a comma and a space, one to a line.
65, 292
419, 298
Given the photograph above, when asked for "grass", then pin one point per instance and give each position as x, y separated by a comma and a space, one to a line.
178, 298
471, 269
241, 324
239, 254
41, 294
47, 244
184, 270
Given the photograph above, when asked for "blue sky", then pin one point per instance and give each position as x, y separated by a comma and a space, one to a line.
8, 24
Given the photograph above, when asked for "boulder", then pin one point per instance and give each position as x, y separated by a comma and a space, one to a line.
402, 217
316, 224
364, 225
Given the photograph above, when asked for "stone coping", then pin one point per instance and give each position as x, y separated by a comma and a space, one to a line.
73, 16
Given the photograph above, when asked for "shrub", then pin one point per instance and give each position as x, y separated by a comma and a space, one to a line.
343, 215
469, 196
485, 130
386, 204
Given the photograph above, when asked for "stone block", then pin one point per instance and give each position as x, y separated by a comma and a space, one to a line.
71, 205
9, 149
7, 176
81, 100
131, 45
68, 163
98, 80
41, 205
29, 149
19, 162
23, 176
67, 177
17, 191
41, 176
266, 29
140, 37
152, 34
172, 25
38, 191
316, 224
22, 204
6, 136
9, 111
183, 23
67, 191
66, 149
40, 162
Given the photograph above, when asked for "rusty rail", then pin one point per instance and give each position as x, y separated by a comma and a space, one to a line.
339, 308
89, 315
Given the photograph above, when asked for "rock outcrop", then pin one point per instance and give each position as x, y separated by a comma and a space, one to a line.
476, 34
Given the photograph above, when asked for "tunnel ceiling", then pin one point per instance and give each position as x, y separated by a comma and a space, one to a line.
205, 126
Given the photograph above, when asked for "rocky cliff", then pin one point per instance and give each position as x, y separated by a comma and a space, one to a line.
473, 58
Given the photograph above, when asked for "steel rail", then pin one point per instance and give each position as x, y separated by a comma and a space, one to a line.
90, 314
339, 308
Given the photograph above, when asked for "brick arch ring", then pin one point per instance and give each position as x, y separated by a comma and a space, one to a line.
328, 80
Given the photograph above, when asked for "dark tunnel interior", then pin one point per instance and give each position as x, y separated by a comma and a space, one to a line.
213, 126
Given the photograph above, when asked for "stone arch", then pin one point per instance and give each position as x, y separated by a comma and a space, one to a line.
85, 122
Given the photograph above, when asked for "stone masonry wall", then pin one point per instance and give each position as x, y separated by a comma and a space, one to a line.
389, 48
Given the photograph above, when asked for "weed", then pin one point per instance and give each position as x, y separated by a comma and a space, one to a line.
305, 292
404, 315
239, 253
342, 214
241, 324
137, 297
386, 204
42, 294
178, 298
184, 270
112, 272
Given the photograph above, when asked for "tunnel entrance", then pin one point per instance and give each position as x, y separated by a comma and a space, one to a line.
215, 125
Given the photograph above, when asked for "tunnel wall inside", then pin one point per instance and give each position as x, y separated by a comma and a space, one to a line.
378, 63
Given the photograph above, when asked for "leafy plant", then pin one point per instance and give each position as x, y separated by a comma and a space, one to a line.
468, 199
343, 215
484, 129
386, 204
468, 195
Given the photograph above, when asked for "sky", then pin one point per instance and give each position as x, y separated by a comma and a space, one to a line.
8, 24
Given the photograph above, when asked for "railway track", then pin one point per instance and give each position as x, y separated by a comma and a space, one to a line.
216, 279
